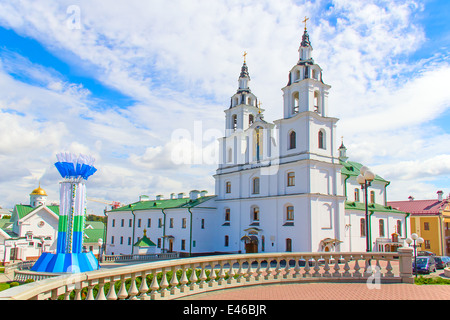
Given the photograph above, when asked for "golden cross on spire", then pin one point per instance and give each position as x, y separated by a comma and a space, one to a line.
259, 107
245, 56
305, 21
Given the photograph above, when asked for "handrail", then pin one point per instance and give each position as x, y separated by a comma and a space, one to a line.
171, 279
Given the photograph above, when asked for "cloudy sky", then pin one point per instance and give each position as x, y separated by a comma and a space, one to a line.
133, 82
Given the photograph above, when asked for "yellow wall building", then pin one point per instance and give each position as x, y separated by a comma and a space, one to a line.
430, 219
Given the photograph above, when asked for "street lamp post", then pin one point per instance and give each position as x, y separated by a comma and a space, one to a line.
100, 245
365, 180
417, 243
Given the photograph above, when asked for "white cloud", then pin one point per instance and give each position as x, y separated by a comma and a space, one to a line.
180, 62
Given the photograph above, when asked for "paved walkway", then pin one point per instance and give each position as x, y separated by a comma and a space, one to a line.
329, 291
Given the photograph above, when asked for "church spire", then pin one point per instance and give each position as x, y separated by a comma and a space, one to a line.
305, 49
244, 77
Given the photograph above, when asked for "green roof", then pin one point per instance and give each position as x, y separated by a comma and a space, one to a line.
92, 235
145, 242
163, 204
23, 210
352, 205
351, 168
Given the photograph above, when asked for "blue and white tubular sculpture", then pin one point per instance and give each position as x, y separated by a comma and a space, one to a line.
69, 257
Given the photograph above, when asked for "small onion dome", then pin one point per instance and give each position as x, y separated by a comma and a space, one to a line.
39, 192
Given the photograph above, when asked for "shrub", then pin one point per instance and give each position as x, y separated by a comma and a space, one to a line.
14, 284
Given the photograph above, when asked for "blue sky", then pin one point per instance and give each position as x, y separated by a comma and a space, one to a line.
121, 82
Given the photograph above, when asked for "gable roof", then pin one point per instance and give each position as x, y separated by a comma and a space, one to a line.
351, 168
24, 210
420, 207
163, 204
145, 242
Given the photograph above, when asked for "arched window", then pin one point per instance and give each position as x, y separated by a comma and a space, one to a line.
255, 186
399, 227
227, 241
234, 124
296, 105
255, 214
290, 213
381, 227
292, 140
297, 75
251, 119
356, 195
362, 225
288, 245
227, 214
316, 101
321, 137
230, 155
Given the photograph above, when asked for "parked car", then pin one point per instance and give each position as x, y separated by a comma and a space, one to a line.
442, 262
425, 253
425, 264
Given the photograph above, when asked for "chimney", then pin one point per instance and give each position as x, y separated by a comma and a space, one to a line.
411, 198
159, 197
440, 194
194, 194
181, 195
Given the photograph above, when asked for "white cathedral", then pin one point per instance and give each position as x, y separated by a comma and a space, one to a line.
282, 186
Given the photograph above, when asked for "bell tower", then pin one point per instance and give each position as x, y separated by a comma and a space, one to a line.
305, 90
243, 106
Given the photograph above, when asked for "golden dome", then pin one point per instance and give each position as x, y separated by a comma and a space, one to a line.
39, 192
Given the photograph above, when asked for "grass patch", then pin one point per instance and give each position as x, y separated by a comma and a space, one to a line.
432, 280
4, 286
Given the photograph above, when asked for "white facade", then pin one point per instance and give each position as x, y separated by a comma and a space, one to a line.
282, 186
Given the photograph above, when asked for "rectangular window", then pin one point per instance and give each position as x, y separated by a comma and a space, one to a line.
184, 222
160, 223
291, 179
227, 215
159, 242
112, 240
114, 223
228, 187
130, 223
122, 223
171, 223
256, 186
372, 196
139, 223
255, 214
427, 244
426, 226
227, 241
183, 244
290, 213
203, 223
129, 241
149, 223
121, 240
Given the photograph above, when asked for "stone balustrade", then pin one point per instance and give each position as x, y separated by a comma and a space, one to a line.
140, 257
171, 279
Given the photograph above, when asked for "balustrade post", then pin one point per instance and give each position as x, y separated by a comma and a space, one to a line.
356, 268
203, 277
112, 290
231, 273
212, 276
174, 282
296, 268
222, 273
101, 293
154, 286
133, 288
184, 280
123, 294
327, 268
193, 279
316, 273
307, 268
143, 289
164, 284
405, 264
